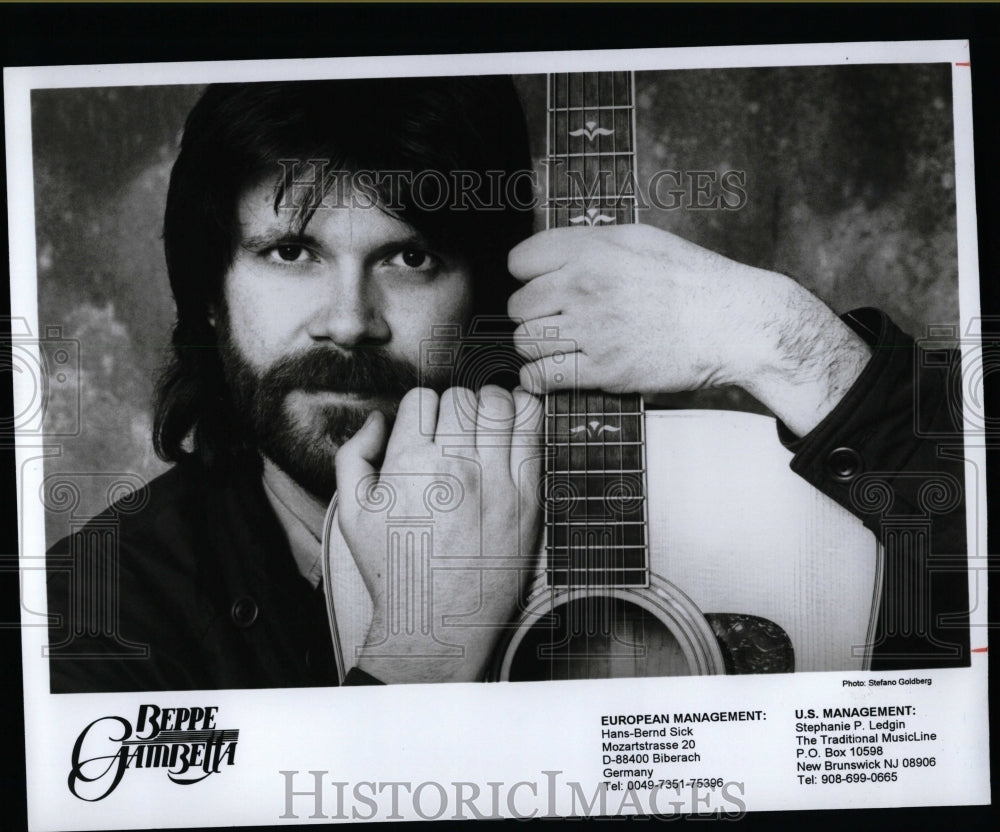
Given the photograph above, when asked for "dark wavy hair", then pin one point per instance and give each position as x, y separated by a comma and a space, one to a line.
238, 134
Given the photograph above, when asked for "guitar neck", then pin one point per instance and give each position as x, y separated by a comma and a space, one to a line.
595, 476
591, 152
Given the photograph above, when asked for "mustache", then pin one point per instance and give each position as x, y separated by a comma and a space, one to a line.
366, 372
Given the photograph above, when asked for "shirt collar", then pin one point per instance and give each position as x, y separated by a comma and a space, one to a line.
301, 516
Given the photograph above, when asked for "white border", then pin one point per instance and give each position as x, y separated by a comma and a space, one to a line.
495, 732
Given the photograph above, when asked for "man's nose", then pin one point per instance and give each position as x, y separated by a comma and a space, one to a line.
349, 313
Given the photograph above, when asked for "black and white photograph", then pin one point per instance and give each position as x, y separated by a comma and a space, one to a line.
634, 394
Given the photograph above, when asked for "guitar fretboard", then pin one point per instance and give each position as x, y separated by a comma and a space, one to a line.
595, 474
591, 160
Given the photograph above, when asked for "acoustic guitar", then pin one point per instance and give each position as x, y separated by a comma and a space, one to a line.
677, 542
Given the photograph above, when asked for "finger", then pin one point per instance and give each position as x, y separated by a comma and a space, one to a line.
526, 442
542, 297
559, 371
416, 421
546, 251
357, 462
457, 414
542, 337
495, 420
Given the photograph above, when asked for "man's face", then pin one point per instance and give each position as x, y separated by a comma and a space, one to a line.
323, 325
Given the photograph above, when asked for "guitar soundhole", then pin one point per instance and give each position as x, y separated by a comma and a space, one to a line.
598, 638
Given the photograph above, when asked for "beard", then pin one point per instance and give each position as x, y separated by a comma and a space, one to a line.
291, 420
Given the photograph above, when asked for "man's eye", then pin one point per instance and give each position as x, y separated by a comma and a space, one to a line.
416, 259
288, 253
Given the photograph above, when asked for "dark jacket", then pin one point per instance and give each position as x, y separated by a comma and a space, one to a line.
892, 453
202, 592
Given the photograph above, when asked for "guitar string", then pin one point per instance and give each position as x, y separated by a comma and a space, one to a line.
550, 399
613, 141
604, 452
606, 567
615, 190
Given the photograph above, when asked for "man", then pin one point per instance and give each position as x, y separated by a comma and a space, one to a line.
311, 263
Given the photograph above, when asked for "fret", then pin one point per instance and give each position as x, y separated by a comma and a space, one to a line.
631, 535
553, 470
590, 108
597, 551
623, 524
611, 202
571, 444
566, 549
596, 577
583, 88
589, 154
603, 539
601, 497
575, 403
594, 414
589, 482
583, 572
587, 570
607, 555
617, 486
598, 559
593, 178
632, 577
595, 510
595, 456
590, 173
628, 563
587, 577
586, 401
617, 547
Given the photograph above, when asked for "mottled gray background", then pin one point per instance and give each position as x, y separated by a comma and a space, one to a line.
850, 189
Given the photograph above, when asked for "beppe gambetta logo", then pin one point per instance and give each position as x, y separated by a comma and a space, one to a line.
184, 741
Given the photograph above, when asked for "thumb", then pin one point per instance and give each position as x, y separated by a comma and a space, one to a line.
357, 459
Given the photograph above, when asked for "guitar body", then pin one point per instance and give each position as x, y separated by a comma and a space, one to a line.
733, 536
